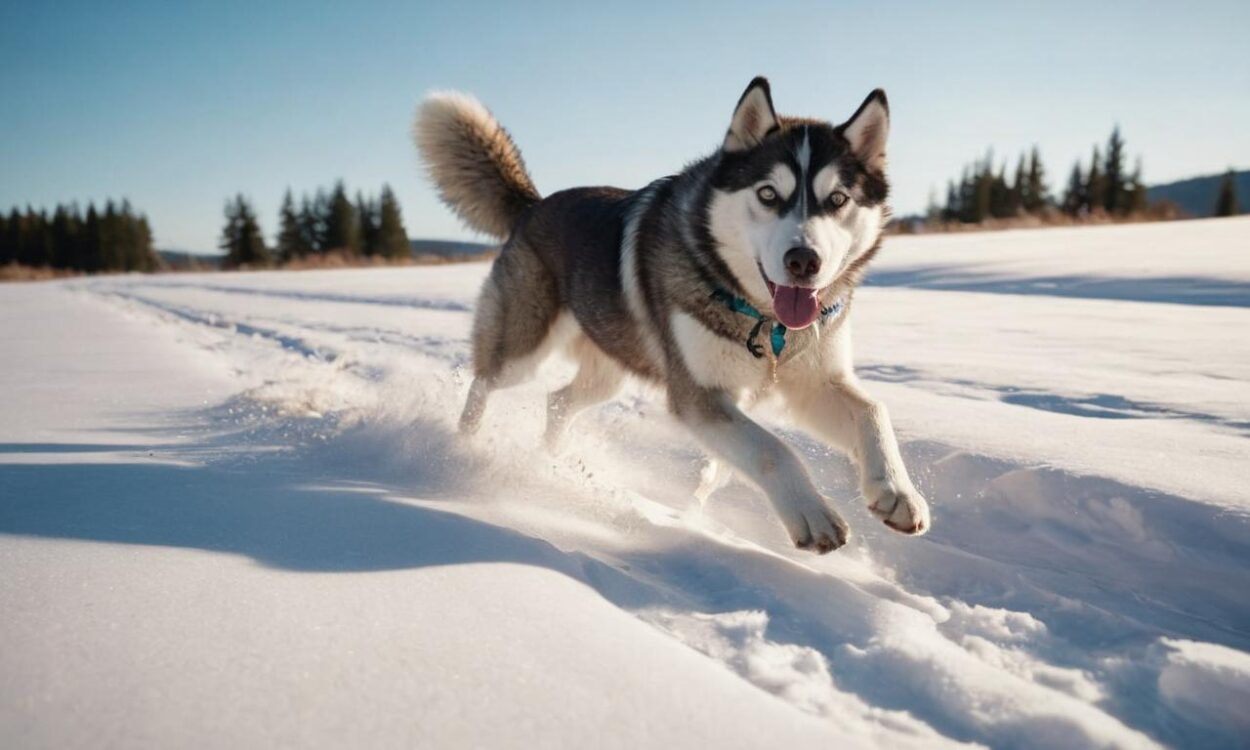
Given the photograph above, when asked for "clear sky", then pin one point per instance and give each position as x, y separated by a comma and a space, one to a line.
176, 105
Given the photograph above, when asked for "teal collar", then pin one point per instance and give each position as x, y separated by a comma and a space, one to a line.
777, 335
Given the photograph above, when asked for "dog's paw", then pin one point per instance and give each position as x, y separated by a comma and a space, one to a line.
899, 506
816, 526
713, 476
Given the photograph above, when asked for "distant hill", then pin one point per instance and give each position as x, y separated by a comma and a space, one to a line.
1196, 196
184, 260
449, 248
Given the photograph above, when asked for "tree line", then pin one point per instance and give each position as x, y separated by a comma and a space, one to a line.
326, 223
1226, 201
115, 239
1105, 188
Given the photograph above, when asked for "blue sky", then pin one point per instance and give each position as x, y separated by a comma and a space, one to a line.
177, 105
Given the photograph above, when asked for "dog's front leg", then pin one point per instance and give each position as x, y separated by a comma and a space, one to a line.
841, 411
761, 457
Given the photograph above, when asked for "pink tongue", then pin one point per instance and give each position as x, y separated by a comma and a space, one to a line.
795, 307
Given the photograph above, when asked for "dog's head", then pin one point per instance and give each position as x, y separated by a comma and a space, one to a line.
795, 203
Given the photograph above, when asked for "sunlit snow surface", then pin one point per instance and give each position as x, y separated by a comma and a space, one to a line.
233, 512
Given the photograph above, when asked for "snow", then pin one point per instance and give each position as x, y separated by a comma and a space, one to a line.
233, 512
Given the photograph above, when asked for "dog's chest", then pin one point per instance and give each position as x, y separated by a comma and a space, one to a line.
739, 360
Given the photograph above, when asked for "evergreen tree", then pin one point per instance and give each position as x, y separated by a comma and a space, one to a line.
983, 191
1226, 203
310, 224
110, 245
73, 255
62, 239
6, 254
93, 259
22, 247
120, 240
392, 239
951, 213
129, 251
1095, 185
241, 238
367, 214
1074, 193
1115, 193
1037, 194
967, 196
146, 253
1019, 188
1000, 195
13, 244
35, 248
342, 230
293, 239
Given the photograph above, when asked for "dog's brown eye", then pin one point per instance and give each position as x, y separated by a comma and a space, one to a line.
838, 198
767, 195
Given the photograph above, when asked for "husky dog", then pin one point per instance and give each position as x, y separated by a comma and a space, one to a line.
723, 282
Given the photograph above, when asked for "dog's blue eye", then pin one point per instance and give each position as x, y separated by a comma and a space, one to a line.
837, 198
767, 195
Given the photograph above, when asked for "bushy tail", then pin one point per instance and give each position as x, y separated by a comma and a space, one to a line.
473, 162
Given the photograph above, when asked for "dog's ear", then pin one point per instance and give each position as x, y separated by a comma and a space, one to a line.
867, 130
753, 118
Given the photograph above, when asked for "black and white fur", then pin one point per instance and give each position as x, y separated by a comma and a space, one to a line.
627, 282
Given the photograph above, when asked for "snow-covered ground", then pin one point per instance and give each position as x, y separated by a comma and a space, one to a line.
233, 513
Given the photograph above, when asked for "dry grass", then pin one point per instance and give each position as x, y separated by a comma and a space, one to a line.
15, 272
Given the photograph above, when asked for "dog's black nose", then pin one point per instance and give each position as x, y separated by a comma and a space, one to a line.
802, 262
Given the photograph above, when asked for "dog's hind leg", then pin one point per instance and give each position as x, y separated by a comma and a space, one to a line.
598, 379
514, 328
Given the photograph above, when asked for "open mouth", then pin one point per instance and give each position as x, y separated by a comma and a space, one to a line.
796, 307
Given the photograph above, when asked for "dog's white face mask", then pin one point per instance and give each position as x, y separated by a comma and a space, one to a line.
793, 204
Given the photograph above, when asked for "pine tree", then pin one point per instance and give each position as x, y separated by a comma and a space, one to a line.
392, 241
130, 253
367, 214
62, 239
20, 234
93, 259
1000, 194
1115, 193
1074, 193
1038, 194
110, 249
983, 191
310, 225
1226, 203
342, 231
967, 196
951, 212
1019, 188
17, 223
4, 239
146, 253
36, 247
293, 240
1095, 185
241, 238
71, 254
